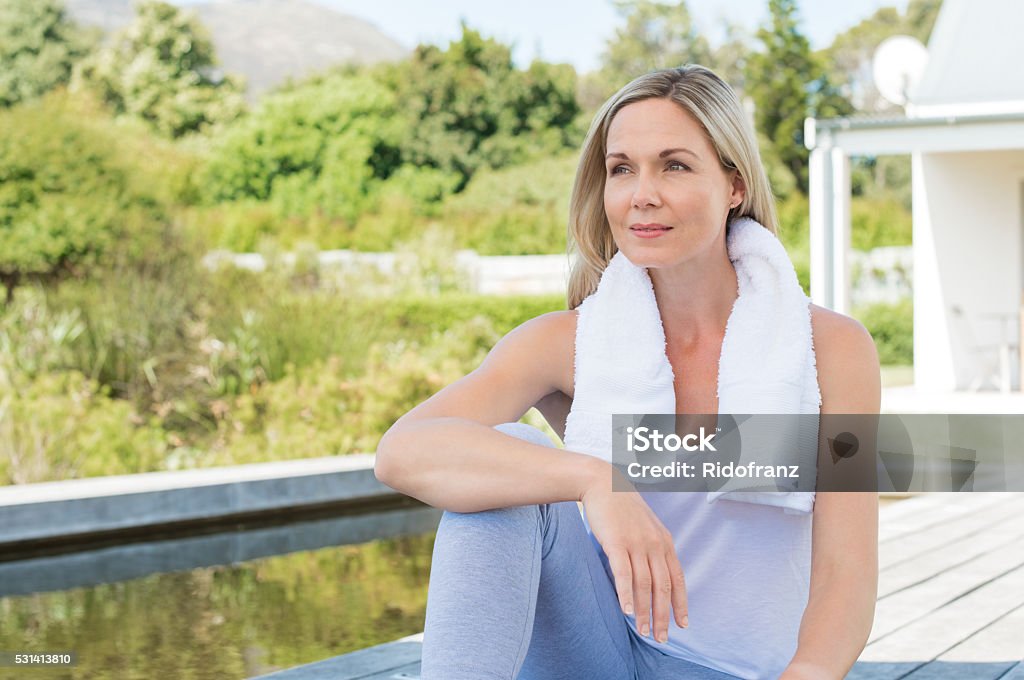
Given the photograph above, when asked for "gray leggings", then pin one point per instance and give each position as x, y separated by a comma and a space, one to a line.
522, 592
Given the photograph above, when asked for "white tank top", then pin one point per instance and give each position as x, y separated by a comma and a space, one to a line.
747, 569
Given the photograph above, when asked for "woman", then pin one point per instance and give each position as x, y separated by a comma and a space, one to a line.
521, 585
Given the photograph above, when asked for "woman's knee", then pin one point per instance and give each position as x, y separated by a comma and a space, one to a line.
502, 519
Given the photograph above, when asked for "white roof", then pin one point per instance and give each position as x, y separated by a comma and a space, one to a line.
975, 56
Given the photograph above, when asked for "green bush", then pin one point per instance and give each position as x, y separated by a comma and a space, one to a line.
319, 411
137, 316
892, 327
873, 223
879, 222
518, 210
64, 194
64, 425
303, 327
79, 193
275, 376
795, 234
467, 107
238, 226
323, 145
419, 316
39, 45
35, 338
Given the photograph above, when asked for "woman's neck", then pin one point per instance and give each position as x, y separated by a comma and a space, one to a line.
695, 299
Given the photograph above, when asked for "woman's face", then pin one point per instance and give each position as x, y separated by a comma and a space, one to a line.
666, 194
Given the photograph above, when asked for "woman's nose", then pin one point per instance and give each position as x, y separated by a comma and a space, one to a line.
645, 192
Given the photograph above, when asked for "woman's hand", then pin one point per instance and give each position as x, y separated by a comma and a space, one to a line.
641, 554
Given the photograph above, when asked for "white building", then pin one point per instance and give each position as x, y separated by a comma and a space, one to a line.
964, 130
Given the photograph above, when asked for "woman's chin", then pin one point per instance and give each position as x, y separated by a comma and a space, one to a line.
652, 256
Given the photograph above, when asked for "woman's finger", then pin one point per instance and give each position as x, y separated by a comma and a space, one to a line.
622, 572
680, 605
662, 595
642, 592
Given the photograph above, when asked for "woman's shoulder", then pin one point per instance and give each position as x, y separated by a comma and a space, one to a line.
559, 324
552, 340
847, 362
834, 331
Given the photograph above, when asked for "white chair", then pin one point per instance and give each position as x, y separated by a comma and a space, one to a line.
993, 358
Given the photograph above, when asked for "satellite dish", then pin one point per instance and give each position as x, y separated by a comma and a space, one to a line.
898, 64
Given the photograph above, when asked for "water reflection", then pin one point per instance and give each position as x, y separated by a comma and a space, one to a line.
119, 563
222, 621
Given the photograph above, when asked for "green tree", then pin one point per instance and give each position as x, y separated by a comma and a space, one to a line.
729, 60
67, 194
849, 57
656, 35
395, 139
325, 144
653, 35
787, 85
38, 46
468, 106
920, 18
160, 68
849, 61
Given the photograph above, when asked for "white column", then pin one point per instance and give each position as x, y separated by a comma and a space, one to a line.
840, 230
937, 355
822, 214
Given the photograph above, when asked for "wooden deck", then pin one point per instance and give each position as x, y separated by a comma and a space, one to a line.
950, 599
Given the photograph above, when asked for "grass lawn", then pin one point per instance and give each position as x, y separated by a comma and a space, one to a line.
895, 376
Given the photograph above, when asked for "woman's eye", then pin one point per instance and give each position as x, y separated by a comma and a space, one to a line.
616, 170
677, 165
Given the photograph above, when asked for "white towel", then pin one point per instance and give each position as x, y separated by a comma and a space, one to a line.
767, 364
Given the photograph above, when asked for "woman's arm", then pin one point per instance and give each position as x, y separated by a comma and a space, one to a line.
844, 563
447, 453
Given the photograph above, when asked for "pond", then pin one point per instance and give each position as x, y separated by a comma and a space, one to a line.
170, 609
206, 620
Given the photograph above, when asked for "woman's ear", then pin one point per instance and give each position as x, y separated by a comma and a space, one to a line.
739, 188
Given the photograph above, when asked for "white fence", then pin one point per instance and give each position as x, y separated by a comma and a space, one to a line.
880, 275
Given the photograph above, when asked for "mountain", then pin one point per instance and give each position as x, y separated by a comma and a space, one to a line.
267, 41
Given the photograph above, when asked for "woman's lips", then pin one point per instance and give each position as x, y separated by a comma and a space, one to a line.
649, 232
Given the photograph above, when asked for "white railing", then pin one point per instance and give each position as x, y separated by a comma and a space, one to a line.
880, 275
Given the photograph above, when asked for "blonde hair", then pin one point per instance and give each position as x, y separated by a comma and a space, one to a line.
715, 106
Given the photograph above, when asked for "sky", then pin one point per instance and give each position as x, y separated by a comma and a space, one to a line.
575, 31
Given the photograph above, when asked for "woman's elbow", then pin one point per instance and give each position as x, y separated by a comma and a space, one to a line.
386, 463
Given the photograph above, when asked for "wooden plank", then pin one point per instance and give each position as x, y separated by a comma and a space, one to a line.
878, 670
924, 599
953, 527
1002, 640
410, 672
921, 512
940, 517
925, 565
1015, 673
987, 655
382, 660
946, 670
928, 637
